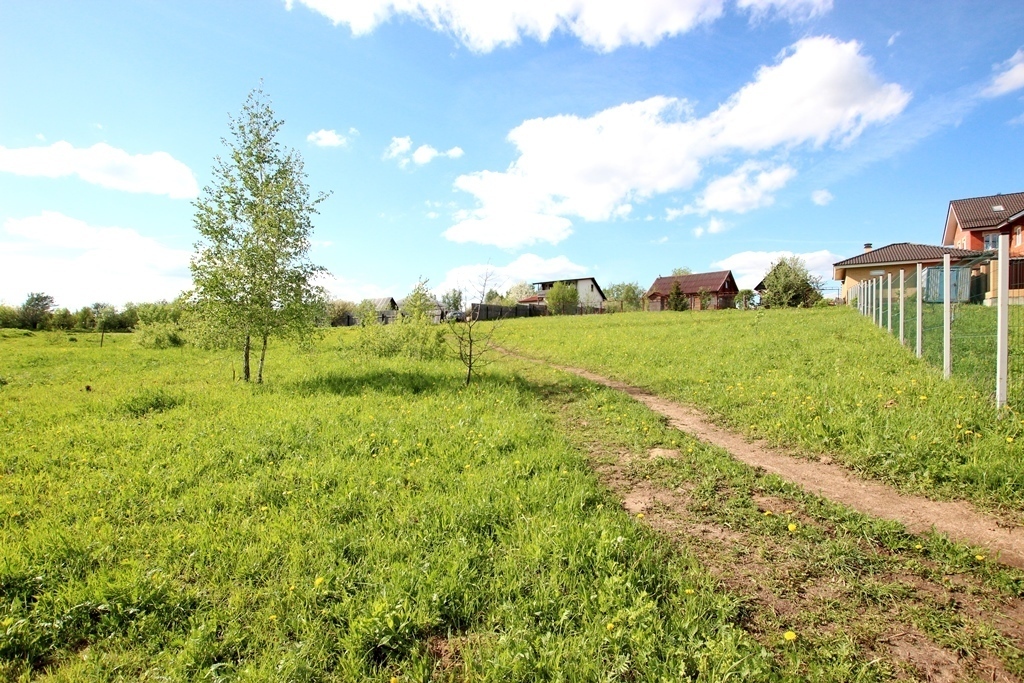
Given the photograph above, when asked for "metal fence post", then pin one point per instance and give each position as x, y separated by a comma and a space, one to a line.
921, 314
901, 307
888, 307
947, 319
1002, 321
881, 306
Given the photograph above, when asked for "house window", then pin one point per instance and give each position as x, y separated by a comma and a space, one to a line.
1016, 236
591, 288
991, 241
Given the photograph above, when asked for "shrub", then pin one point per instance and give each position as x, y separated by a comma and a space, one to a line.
412, 337
159, 335
562, 299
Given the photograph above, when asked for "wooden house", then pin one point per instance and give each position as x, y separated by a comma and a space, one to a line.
720, 286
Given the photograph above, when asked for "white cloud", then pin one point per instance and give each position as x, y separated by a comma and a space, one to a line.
797, 10
1010, 76
747, 188
483, 26
660, 240
528, 267
327, 138
892, 39
750, 267
821, 197
79, 264
398, 147
349, 289
424, 154
820, 91
713, 227
106, 166
605, 26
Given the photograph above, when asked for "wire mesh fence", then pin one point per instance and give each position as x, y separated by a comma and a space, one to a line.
949, 315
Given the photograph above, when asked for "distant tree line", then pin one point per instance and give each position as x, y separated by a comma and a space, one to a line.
39, 312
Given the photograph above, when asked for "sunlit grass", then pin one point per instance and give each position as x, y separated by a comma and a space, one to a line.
336, 523
822, 380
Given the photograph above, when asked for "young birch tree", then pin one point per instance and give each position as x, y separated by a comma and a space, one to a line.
251, 269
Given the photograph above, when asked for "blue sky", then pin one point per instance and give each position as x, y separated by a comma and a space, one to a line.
533, 139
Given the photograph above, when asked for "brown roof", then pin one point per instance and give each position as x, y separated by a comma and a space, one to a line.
904, 252
719, 281
981, 212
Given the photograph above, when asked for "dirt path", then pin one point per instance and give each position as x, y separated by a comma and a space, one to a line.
959, 520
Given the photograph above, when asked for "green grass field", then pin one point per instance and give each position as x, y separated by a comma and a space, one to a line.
349, 520
825, 381
357, 519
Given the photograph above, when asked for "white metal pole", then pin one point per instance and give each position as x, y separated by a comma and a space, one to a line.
920, 313
888, 307
901, 306
881, 310
947, 319
871, 299
1002, 321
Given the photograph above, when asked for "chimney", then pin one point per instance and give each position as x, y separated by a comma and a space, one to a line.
867, 247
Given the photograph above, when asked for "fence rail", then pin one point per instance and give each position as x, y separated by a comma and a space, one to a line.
966, 318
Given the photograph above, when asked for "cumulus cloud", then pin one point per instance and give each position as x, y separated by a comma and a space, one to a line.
747, 188
424, 154
1009, 76
327, 138
79, 264
821, 197
820, 91
349, 289
750, 267
106, 166
482, 27
798, 10
528, 267
604, 26
713, 227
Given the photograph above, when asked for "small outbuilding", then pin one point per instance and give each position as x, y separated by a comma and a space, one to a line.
718, 287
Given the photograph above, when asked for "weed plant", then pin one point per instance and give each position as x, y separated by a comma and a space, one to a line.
351, 519
825, 381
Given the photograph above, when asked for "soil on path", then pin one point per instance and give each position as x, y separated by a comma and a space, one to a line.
959, 520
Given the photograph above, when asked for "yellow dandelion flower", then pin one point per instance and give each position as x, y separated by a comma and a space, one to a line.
318, 581
272, 617
979, 558
767, 513
639, 515
792, 527
789, 636
688, 591
610, 626
1009, 439
918, 547
923, 398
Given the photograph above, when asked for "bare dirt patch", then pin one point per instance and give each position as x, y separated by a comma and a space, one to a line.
958, 519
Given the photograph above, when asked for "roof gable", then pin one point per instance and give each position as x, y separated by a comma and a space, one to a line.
978, 213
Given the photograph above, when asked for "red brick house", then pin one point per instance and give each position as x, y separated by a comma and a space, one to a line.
976, 223
720, 285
